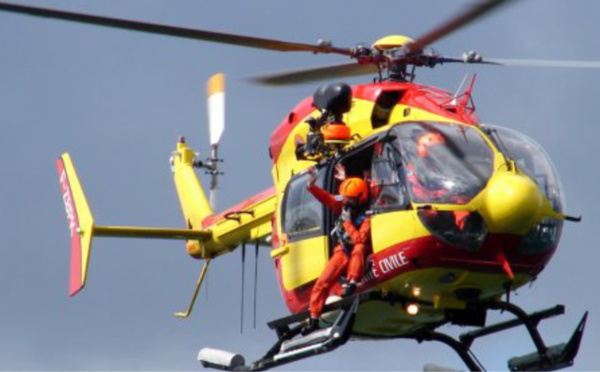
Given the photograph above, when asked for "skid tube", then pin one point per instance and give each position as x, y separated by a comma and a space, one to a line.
544, 358
289, 348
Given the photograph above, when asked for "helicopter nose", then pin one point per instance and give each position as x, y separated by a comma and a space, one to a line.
512, 204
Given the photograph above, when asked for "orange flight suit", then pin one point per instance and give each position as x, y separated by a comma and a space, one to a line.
339, 260
423, 193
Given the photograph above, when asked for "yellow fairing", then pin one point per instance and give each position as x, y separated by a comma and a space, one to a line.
392, 228
392, 41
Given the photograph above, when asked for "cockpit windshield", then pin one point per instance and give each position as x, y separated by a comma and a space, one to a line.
443, 162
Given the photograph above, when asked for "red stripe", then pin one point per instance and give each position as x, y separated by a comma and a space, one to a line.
428, 252
295, 117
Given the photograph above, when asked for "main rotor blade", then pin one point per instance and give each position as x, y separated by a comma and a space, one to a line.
462, 19
542, 63
315, 74
523, 62
181, 32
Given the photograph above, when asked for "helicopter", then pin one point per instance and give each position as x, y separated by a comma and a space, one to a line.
354, 156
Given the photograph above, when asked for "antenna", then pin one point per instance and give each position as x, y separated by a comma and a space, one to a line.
256, 248
243, 277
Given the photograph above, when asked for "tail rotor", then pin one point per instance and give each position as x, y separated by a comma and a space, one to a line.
215, 90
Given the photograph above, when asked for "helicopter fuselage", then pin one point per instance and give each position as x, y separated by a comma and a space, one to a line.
486, 227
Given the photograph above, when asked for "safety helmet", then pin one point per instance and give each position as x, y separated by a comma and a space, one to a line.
355, 188
427, 141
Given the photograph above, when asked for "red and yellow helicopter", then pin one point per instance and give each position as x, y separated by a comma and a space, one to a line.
490, 225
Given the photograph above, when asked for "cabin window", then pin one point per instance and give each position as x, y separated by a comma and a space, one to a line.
379, 165
541, 238
302, 213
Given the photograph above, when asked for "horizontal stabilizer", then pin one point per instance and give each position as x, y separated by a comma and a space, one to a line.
82, 228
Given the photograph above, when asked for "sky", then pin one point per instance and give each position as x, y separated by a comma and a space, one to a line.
117, 101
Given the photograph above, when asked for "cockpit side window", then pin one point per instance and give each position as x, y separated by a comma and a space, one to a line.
302, 214
386, 186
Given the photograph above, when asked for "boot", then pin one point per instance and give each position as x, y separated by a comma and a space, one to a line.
349, 289
311, 326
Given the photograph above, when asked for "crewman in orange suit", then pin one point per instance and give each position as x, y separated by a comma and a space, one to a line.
426, 143
353, 233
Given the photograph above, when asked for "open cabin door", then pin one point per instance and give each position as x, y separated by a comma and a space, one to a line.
305, 249
393, 223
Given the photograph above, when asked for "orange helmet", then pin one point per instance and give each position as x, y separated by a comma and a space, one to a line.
355, 187
428, 140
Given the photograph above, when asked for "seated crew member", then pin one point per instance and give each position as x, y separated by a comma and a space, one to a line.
353, 233
426, 144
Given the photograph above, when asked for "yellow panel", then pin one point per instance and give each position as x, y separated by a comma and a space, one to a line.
391, 41
389, 229
402, 113
193, 200
304, 262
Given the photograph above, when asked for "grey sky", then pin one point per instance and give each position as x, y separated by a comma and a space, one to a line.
117, 102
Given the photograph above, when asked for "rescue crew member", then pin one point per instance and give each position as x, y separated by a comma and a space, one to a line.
353, 235
424, 191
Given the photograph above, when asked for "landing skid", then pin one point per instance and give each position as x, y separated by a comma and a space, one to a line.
289, 347
543, 359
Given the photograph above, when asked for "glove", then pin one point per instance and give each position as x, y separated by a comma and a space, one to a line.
340, 172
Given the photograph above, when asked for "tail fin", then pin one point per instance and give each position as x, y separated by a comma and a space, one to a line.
191, 194
80, 220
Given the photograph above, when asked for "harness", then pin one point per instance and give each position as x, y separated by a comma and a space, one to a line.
339, 234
